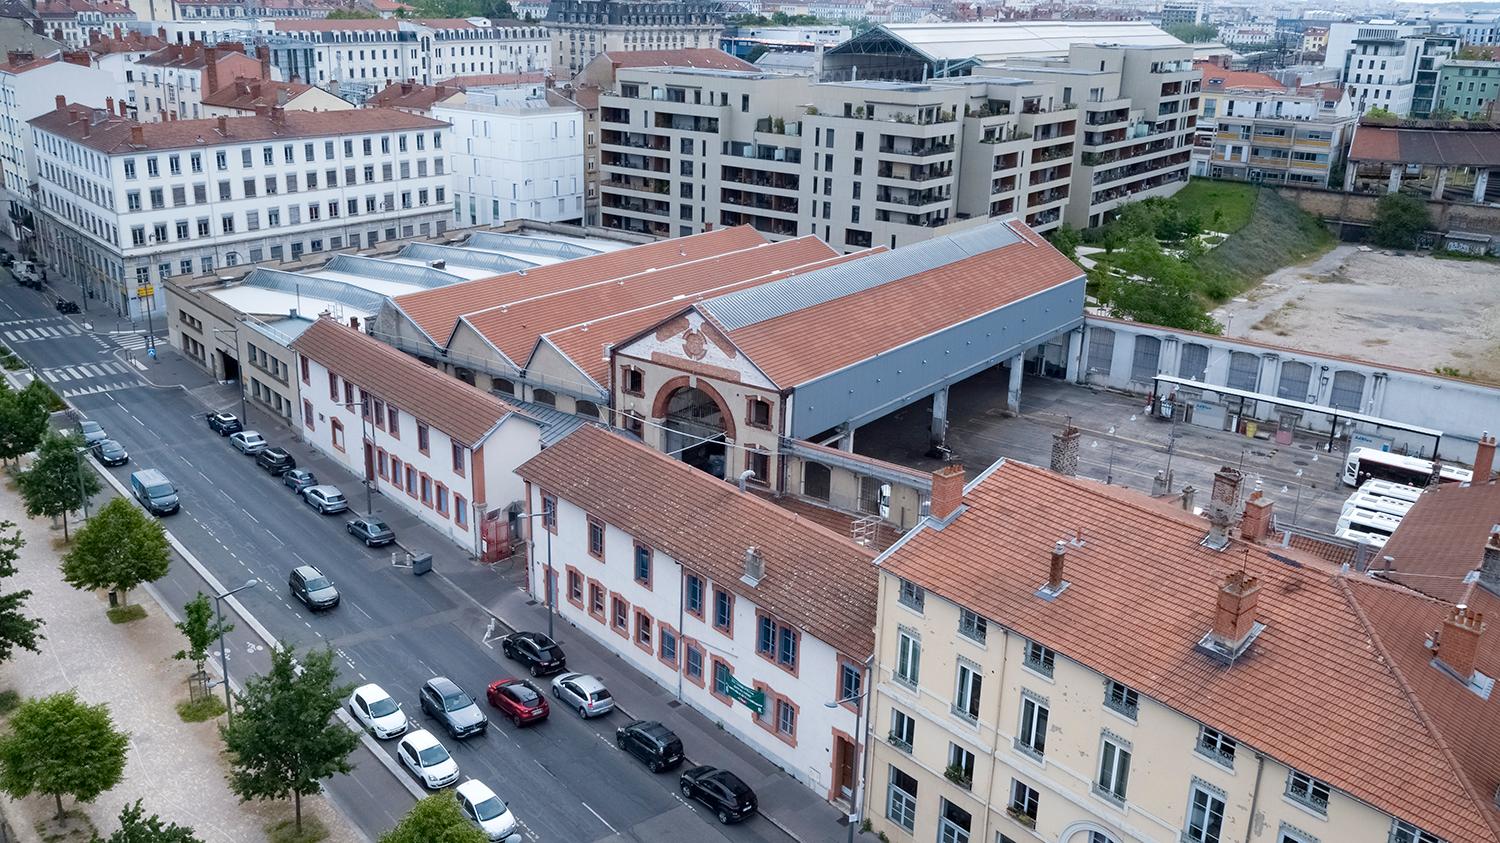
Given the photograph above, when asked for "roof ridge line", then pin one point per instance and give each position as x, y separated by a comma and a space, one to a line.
1416, 704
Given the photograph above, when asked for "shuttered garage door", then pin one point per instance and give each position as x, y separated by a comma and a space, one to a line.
1244, 371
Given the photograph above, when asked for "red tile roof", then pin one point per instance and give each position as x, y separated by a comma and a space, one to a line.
513, 327
1216, 78
113, 135
1473, 146
24, 66
816, 580
247, 92
480, 79
1441, 539
71, 8
128, 42
417, 97
1142, 592
345, 25
448, 404
701, 57
436, 312
861, 325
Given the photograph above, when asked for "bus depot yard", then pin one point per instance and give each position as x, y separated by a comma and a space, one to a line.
1418, 311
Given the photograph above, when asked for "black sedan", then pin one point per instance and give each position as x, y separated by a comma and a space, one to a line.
110, 452
225, 423
66, 306
372, 531
540, 654
730, 799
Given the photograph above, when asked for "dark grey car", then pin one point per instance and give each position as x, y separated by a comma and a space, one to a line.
447, 703
314, 590
299, 480
110, 452
372, 531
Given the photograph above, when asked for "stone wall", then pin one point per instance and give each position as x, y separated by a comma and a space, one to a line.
1354, 211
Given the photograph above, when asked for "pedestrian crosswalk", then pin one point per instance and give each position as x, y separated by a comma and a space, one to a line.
134, 342
19, 332
91, 378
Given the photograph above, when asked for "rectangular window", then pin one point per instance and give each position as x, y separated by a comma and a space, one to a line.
442, 500
596, 538
1039, 658
1114, 770
1307, 790
307, 413
694, 596
460, 510
643, 565
333, 387
458, 459
423, 437
913, 595
667, 650
619, 614
1031, 738
1405, 832
966, 699
908, 657
786, 718
722, 675
393, 421
903, 734
723, 611
1216, 746
692, 663
850, 681
596, 600
643, 630
901, 800
1023, 803
971, 625
1205, 817
1122, 699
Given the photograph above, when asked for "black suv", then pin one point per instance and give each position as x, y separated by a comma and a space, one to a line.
275, 461
447, 703
314, 590
651, 742
540, 654
730, 799
225, 423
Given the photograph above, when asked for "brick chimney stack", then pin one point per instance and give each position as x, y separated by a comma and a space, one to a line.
1055, 568
947, 491
1234, 618
62, 102
137, 137
1227, 487
1065, 451
223, 125
265, 64
1256, 524
1458, 643
1484, 458
1489, 569
211, 69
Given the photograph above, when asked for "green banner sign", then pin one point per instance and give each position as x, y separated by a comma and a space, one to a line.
753, 699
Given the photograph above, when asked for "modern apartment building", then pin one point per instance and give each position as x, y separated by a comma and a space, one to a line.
517, 154
1057, 661
374, 53
125, 204
1389, 65
1253, 128
1468, 89
582, 29
869, 163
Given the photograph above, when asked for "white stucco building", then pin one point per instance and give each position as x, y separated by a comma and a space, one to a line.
125, 204
380, 51
434, 445
714, 593
517, 154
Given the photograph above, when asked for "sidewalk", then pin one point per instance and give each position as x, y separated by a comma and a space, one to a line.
176, 768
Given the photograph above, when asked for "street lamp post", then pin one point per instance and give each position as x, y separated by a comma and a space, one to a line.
859, 721
364, 419
548, 588
240, 365
223, 662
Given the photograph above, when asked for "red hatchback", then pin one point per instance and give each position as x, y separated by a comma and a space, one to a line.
518, 700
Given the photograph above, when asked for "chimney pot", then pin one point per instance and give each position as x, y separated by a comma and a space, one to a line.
223, 125
278, 114
1234, 619
755, 567
1256, 524
1065, 451
354, 322
947, 491
262, 110
1458, 643
1227, 487
1484, 458
1489, 569
1055, 569
62, 102
109, 105
137, 136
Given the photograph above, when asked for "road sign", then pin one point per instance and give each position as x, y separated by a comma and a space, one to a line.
753, 699
145, 291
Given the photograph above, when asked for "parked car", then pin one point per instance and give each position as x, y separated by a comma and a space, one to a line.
447, 703
299, 480
66, 306
428, 759
378, 712
540, 654
584, 694
518, 700
248, 442
314, 590
486, 810
91, 431
652, 743
275, 461
730, 799
372, 531
154, 491
325, 499
225, 423
110, 452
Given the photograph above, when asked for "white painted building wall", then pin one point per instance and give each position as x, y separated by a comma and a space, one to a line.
808, 755
514, 157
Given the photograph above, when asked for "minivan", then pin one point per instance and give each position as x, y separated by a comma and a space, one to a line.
154, 491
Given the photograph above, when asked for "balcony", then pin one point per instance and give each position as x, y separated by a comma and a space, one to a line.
1004, 185
617, 202
747, 199
686, 123
914, 198
635, 140
609, 114
765, 225
1107, 118
915, 147
1044, 218
635, 162
636, 226
1052, 153
762, 152
757, 178
914, 172
636, 183
1050, 174
924, 220
1044, 197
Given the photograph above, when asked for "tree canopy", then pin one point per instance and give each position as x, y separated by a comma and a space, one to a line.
23, 418
1399, 220
351, 14
283, 741
461, 9
1160, 291
135, 827
59, 746
16, 629
1193, 33
118, 549
200, 627
436, 819
56, 483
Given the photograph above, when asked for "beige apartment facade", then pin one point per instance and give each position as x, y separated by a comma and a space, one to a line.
582, 29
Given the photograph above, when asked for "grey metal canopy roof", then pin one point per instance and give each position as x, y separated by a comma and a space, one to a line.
498, 242
316, 288
459, 256
404, 273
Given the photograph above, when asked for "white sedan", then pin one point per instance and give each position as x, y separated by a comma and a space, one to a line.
248, 442
375, 710
428, 759
486, 810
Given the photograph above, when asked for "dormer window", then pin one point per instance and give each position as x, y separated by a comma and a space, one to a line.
913, 595
1216, 746
1040, 658
1307, 791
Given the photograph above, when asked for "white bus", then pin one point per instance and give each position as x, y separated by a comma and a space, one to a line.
1371, 464
1387, 489
1364, 525
1376, 503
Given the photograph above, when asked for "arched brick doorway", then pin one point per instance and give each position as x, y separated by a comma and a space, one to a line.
696, 424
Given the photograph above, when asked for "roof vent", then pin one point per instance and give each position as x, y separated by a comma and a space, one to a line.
1235, 627
1055, 584
755, 567
438, 263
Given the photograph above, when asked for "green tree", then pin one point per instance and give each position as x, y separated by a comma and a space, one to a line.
1066, 239
283, 742
135, 827
462, 9
60, 746
120, 548
1399, 220
1380, 113
351, 14
16, 630
23, 418
56, 482
436, 819
1193, 33
201, 628
1159, 289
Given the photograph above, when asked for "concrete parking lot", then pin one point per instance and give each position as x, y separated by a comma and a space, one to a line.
1121, 444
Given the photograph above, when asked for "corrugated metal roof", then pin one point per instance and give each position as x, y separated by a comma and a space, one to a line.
498, 242
459, 256
747, 307
315, 288
555, 423
405, 273
995, 41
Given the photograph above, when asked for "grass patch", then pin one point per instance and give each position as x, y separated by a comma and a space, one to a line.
1233, 202
205, 709
286, 831
11, 362
126, 614
74, 825
1277, 234
9, 700
1444, 254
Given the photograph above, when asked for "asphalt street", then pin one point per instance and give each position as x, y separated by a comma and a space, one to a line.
564, 778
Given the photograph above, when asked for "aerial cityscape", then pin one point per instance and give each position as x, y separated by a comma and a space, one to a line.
677, 421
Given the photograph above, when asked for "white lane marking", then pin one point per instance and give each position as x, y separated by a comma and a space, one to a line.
204, 476
226, 496
252, 517
137, 421
601, 819
361, 611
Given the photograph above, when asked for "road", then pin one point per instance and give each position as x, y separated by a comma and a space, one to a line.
564, 779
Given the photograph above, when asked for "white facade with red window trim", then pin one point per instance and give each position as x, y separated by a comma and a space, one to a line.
650, 558
449, 455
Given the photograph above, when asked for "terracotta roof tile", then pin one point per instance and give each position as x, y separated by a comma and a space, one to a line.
819, 581
436, 312
1143, 591
23, 66
1441, 539
1475, 146
1216, 78
448, 404
246, 92
861, 325
689, 57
